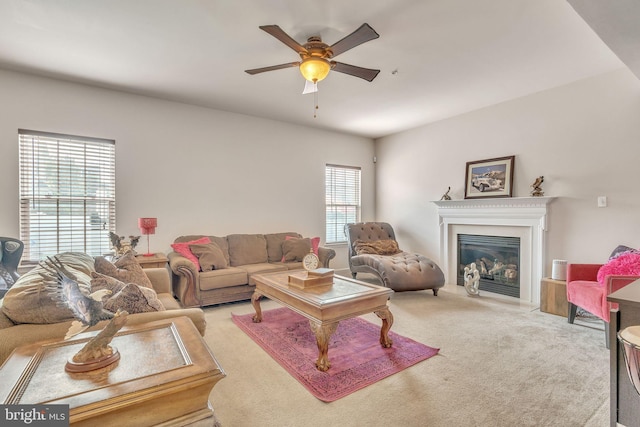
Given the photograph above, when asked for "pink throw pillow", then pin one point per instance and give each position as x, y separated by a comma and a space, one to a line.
184, 250
627, 264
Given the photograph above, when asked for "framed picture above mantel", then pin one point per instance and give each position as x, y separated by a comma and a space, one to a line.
489, 178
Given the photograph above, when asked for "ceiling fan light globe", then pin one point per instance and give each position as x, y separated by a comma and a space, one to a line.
315, 69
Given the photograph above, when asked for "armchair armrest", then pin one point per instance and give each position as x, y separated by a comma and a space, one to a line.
186, 280
325, 255
582, 272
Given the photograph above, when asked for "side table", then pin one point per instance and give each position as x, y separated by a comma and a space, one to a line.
157, 260
164, 377
553, 297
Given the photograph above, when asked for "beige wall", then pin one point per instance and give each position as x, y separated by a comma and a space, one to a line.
202, 170
198, 170
584, 138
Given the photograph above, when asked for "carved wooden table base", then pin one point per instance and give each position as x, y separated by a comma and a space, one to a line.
324, 330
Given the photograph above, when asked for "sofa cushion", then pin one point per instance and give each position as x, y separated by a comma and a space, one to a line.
294, 249
26, 302
253, 269
376, 247
227, 277
220, 241
183, 249
622, 249
274, 244
247, 249
209, 256
290, 265
114, 302
126, 269
133, 299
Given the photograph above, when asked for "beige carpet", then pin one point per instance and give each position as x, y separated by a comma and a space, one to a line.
499, 365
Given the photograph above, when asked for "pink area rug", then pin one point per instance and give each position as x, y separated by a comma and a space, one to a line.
356, 356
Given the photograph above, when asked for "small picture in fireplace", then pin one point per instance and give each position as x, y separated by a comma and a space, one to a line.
489, 178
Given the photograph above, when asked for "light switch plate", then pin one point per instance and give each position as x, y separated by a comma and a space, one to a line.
602, 201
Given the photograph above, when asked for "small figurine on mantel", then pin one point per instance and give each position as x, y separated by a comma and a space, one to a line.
446, 195
537, 190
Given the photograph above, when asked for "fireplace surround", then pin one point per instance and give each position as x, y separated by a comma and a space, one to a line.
521, 217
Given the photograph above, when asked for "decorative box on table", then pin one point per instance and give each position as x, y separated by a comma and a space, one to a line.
312, 278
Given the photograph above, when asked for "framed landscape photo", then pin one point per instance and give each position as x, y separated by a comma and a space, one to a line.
489, 178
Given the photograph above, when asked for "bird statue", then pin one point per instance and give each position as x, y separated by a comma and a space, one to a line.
63, 287
121, 245
537, 190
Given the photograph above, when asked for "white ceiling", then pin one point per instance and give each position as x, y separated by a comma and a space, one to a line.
451, 56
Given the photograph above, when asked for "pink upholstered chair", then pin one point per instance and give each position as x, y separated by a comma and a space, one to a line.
584, 291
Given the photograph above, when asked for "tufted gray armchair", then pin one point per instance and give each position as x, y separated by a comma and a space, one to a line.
400, 271
10, 255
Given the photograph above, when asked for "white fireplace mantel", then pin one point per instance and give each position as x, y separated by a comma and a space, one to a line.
525, 217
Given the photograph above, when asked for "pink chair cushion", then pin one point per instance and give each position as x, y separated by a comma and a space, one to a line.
589, 295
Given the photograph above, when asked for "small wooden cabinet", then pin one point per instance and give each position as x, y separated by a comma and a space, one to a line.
157, 260
553, 297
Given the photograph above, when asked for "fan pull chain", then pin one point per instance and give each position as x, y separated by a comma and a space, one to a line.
315, 100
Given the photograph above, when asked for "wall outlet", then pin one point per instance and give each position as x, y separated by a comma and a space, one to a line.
602, 201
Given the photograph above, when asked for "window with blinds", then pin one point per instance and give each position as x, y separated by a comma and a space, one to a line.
67, 194
342, 188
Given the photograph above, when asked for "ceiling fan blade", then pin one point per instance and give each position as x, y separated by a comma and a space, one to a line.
278, 33
359, 36
364, 73
272, 68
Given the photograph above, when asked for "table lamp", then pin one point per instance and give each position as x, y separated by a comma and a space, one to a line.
148, 226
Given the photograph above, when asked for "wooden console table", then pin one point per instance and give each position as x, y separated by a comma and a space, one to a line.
164, 377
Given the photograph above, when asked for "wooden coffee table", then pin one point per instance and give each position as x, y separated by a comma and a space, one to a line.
326, 306
164, 377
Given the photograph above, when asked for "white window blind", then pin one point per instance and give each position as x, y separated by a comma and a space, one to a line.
67, 194
342, 187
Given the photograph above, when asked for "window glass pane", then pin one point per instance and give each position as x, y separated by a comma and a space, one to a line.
67, 194
342, 200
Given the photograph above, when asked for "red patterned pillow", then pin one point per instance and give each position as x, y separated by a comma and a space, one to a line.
184, 250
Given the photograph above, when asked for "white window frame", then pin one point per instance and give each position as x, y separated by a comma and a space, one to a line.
67, 194
342, 200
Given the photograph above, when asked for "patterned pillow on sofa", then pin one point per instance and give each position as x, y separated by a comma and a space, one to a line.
28, 302
126, 269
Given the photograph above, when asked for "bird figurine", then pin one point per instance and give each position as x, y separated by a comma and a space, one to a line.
446, 195
63, 287
537, 190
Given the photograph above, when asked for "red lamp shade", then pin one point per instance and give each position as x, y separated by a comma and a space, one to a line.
147, 226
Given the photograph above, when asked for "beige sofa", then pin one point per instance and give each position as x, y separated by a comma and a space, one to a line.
245, 255
14, 335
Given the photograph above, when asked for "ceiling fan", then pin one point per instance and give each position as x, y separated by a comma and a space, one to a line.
316, 56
